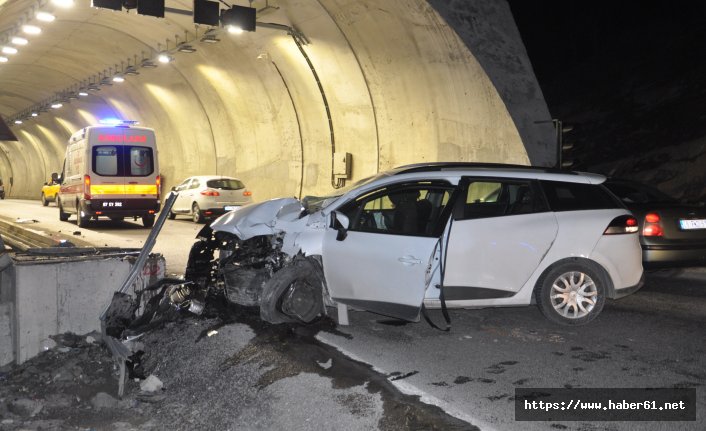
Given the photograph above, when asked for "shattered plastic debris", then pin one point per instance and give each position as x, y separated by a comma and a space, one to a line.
26, 220
151, 384
212, 332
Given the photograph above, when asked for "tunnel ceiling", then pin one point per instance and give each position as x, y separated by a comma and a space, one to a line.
81, 46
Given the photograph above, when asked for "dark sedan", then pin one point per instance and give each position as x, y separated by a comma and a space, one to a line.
672, 233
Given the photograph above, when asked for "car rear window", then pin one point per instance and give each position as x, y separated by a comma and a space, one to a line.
122, 161
225, 184
638, 194
564, 196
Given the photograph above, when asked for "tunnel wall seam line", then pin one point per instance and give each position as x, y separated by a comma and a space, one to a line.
365, 79
299, 128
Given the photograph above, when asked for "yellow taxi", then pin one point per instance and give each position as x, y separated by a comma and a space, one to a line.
49, 192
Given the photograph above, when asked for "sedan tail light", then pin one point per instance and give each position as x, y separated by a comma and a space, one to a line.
247, 193
622, 225
653, 225
210, 192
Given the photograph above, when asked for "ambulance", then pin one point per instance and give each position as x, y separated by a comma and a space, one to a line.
110, 170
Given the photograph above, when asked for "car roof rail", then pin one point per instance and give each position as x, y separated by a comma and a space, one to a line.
442, 166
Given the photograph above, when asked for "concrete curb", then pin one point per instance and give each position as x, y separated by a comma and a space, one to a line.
21, 237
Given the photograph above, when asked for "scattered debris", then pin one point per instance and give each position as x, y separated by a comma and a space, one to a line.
26, 220
151, 384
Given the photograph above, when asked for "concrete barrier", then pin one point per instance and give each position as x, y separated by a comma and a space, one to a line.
62, 290
22, 237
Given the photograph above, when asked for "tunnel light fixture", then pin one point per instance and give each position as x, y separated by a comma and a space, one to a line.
234, 29
240, 17
210, 38
183, 47
63, 3
3, 59
19, 41
131, 70
164, 57
82, 94
31, 29
57, 105
148, 64
35, 114
45, 16
18, 121
118, 78
9, 50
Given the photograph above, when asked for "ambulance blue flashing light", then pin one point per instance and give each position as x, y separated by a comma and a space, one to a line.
117, 122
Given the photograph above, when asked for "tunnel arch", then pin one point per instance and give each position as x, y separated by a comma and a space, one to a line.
401, 83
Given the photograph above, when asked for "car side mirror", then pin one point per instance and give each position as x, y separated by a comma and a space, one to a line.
340, 222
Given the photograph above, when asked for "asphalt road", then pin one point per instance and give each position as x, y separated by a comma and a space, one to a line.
652, 339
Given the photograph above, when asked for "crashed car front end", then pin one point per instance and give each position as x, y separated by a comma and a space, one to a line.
244, 253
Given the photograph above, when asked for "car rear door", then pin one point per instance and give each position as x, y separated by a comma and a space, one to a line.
379, 266
500, 231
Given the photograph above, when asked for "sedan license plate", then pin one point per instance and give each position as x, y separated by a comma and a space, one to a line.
231, 207
692, 224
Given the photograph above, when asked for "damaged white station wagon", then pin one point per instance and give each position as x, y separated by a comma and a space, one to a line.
457, 235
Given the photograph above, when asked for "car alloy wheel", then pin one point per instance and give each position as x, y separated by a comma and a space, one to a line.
45, 202
196, 213
572, 292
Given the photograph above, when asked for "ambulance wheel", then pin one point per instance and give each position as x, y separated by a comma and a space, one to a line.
81, 218
63, 216
148, 220
196, 213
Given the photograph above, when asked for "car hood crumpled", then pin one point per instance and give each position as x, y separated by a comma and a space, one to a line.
259, 218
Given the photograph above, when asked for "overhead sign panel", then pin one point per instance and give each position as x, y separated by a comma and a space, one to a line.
151, 7
206, 12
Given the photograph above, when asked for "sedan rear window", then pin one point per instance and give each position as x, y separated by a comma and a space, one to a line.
225, 184
575, 196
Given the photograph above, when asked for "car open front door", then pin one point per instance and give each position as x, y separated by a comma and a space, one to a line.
380, 262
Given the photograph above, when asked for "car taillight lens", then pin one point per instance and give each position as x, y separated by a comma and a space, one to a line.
210, 192
87, 187
247, 193
652, 226
622, 225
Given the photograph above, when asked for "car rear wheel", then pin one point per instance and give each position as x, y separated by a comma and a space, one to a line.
148, 220
63, 216
171, 215
571, 293
196, 213
45, 202
293, 294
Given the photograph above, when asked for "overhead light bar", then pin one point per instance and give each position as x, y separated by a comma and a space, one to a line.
35, 114
18, 121
3, 59
131, 70
148, 64
31, 29
118, 78
82, 94
9, 50
19, 41
56, 105
210, 38
45, 16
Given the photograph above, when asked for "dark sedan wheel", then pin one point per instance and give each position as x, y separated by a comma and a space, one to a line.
571, 293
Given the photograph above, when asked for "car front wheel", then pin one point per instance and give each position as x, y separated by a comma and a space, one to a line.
571, 293
293, 294
45, 202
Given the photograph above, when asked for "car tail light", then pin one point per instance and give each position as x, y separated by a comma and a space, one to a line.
652, 226
87, 187
159, 185
247, 193
210, 192
621, 225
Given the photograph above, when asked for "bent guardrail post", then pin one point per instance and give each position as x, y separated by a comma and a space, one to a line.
120, 351
146, 249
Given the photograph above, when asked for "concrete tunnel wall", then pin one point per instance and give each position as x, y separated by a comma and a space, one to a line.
402, 84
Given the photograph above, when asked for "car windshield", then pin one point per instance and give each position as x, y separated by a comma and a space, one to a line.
630, 193
316, 203
225, 184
